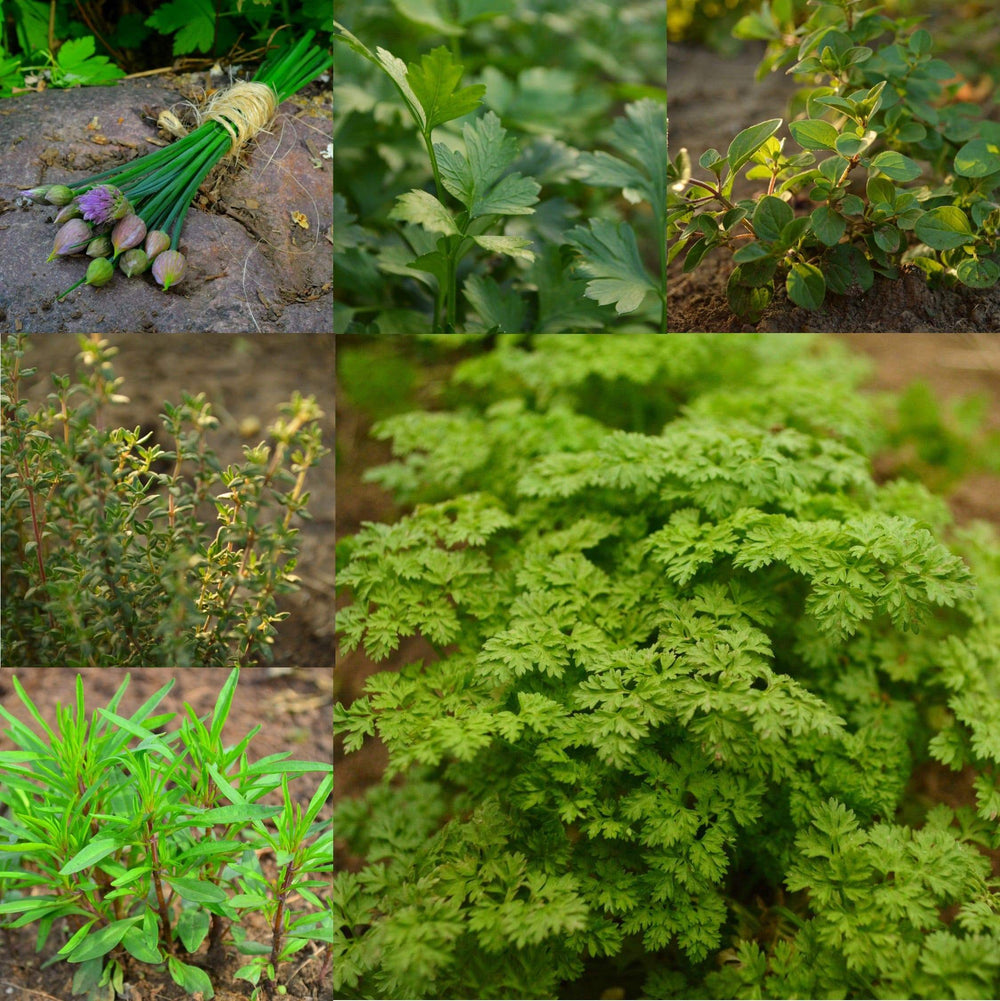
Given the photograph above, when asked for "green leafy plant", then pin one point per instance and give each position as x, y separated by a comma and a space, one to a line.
107, 559
904, 176
690, 661
136, 839
490, 190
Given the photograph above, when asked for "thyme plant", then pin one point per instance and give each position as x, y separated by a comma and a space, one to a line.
893, 171
106, 558
691, 662
145, 845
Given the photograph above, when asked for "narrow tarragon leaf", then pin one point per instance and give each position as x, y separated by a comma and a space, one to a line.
94, 852
434, 80
102, 941
423, 209
198, 891
611, 260
191, 978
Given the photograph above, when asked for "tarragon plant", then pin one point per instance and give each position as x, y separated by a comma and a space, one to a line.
490, 190
139, 846
106, 557
892, 171
689, 661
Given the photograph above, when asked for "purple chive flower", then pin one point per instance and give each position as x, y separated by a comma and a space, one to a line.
104, 204
168, 268
72, 238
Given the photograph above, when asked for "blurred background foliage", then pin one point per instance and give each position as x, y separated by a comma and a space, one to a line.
966, 32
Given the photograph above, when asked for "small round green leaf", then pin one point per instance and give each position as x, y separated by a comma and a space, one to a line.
751, 252
977, 158
814, 134
770, 217
806, 286
944, 228
896, 166
978, 274
828, 225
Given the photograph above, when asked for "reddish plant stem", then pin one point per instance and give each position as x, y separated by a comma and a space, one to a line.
276, 928
161, 902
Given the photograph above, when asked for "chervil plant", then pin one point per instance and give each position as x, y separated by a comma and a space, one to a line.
691, 662
106, 558
490, 190
132, 841
892, 172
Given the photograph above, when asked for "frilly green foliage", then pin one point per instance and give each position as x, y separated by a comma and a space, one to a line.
690, 656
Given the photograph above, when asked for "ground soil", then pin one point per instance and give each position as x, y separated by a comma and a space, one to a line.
954, 366
245, 378
293, 707
712, 98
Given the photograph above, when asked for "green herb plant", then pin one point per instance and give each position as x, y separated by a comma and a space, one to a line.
106, 557
491, 191
892, 171
143, 845
691, 662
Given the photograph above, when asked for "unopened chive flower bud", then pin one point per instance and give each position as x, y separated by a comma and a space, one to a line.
99, 271
103, 204
156, 242
133, 262
36, 194
67, 212
168, 268
128, 233
59, 194
100, 246
72, 238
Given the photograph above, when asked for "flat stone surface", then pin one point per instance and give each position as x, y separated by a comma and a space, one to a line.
251, 267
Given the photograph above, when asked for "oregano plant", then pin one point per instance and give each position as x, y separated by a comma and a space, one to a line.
690, 662
891, 171
491, 183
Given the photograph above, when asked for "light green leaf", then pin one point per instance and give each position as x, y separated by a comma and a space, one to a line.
478, 180
896, 166
944, 228
198, 891
611, 260
814, 133
102, 941
191, 978
977, 158
193, 20
422, 209
428, 12
93, 852
512, 246
434, 80
749, 141
192, 927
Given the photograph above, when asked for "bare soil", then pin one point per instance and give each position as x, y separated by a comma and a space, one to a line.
714, 97
293, 706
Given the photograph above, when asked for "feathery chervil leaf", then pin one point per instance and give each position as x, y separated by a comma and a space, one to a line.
478, 179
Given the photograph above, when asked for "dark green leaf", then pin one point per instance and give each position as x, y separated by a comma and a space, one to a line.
806, 286
944, 228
